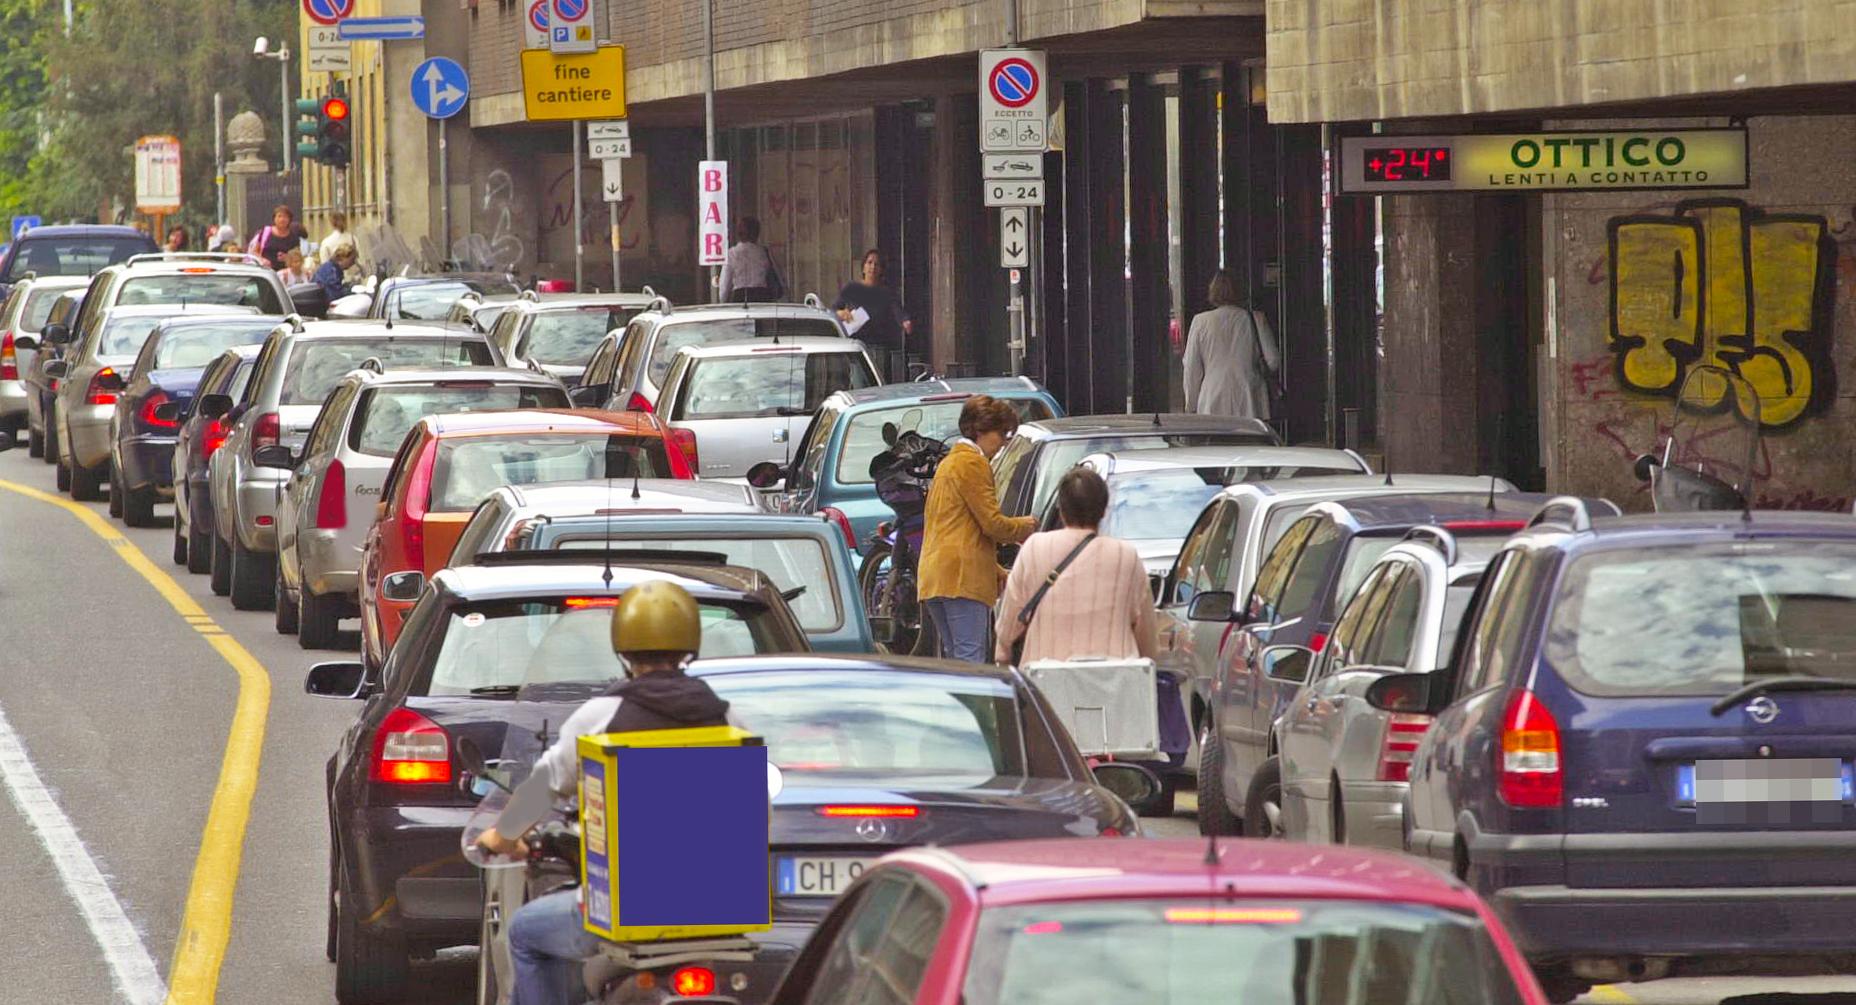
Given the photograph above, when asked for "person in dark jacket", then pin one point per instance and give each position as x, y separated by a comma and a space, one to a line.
657, 631
331, 275
873, 314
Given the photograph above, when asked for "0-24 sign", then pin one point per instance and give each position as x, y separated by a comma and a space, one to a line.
1015, 192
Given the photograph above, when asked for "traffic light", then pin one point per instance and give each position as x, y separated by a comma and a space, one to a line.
308, 128
334, 149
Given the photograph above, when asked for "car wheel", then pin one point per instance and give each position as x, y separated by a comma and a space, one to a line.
199, 549
252, 577
222, 566
1560, 985
50, 436
317, 619
1215, 816
1164, 801
180, 544
35, 443
281, 605
85, 485
116, 494
335, 871
62, 475
371, 967
487, 991
1337, 819
138, 506
1263, 807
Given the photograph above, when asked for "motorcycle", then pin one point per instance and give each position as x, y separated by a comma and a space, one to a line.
887, 579
1707, 460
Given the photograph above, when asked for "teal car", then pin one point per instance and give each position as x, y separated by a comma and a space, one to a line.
830, 468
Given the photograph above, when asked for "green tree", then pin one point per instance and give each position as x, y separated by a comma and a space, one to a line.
22, 94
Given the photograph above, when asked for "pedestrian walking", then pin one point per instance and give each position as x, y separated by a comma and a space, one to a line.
1231, 356
959, 575
338, 233
748, 275
873, 314
1098, 603
277, 237
177, 239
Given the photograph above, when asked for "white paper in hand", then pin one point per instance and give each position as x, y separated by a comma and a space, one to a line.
859, 317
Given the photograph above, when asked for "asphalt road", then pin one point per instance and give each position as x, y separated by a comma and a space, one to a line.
123, 710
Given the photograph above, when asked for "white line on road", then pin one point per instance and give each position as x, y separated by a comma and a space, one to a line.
130, 965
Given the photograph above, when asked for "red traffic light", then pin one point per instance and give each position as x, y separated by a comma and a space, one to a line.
335, 109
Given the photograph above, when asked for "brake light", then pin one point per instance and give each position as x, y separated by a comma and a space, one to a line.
410, 749
1529, 768
213, 436
904, 812
1044, 928
418, 498
685, 441
147, 414
1109, 832
836, 515
100, 392
1483, 526
639, 403
1318, 642
9, 359
1400, 744
1233, 915
268, 431
693, 982
332, 504
415, 542
582, 603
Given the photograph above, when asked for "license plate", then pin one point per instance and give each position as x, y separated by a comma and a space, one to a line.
1751, 791
821, 876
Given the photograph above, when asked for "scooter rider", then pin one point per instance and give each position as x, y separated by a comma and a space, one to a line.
656, 631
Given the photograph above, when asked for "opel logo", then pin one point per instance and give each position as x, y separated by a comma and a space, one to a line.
1762, 709
871, 829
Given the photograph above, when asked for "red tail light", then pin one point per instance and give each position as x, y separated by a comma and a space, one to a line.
1044, 928
693, 982
638, 403
332, 504
1483, 526
685, 441
836, 515
1233, 915
1528, 765
582, 603
905, 812
418, 501
9, 359
213, 436
102, 389
410, 749
415, 543
1318, 642
147, 414
1403, 732
268, 432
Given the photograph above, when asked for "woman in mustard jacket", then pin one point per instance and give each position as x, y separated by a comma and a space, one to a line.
960, 572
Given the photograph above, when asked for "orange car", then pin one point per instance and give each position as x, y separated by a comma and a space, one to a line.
448, 463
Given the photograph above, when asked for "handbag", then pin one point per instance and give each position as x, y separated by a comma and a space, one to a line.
1031, 607
1272, 387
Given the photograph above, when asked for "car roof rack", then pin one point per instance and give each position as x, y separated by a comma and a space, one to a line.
660, 304
529, 295
595, 556
1437, 537
814, 302
295, 321
1563, 511
195, 256
372, 364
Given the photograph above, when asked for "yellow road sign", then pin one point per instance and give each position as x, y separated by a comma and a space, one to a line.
588, 85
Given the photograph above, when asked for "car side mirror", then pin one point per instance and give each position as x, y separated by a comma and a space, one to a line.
1415, 693
338, 679
274, 455
1135, 784
766, 475
110, 380
1288, 663
403, 587
25, 343
309, 299
882, 629
57, 333
167, 411
1156, 585
584, 395
57, 369
213, 406
890, 432
1646, 466
1213, 605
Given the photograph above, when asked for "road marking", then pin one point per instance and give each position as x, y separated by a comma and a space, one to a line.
206, 925
1610, 994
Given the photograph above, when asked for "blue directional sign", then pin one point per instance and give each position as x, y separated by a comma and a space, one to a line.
439, 87
21, 224
380, 29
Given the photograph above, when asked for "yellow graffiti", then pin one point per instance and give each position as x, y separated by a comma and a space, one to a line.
1719, 284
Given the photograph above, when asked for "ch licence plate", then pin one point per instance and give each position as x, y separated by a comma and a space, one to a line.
817, 876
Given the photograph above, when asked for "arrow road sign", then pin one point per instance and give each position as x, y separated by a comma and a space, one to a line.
328, 11
1027, 165
1015, 193
439, 87
606, 150
382, 29
21, 224
1014, 245
612, 186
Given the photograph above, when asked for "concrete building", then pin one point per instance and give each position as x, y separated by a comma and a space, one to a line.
1541, 325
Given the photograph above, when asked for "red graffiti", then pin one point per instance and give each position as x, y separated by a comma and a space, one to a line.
1803, 499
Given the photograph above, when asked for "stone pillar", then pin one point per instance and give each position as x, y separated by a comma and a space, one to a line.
1427, 383
244, 137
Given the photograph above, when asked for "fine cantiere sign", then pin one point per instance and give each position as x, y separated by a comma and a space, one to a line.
1545, 162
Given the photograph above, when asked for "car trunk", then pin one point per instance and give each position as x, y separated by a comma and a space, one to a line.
727, 448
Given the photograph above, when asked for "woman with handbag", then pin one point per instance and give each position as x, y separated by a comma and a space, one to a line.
1073, 592
1231, 357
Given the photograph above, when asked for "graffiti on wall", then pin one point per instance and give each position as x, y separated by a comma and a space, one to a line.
1718, 282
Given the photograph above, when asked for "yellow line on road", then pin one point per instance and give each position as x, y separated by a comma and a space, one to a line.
1610, 994
206, 926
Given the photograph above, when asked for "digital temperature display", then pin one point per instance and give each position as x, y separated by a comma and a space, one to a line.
1407, 164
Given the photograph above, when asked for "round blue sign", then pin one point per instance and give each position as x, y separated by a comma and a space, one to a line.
440, 87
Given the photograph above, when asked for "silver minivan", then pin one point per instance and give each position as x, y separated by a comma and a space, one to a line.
300, 363
21, 316
732, 405
627, 372
328, 499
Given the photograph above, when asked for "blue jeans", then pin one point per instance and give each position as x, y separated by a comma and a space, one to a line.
962, 626
547, 942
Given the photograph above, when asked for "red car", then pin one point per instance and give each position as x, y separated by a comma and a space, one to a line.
1161, 923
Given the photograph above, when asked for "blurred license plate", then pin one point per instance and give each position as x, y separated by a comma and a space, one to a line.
1766, 780
823, 876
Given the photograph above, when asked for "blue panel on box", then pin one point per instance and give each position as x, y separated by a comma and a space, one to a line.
692, 835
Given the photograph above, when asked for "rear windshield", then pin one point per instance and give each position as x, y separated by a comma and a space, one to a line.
433, 301
772, 383
72, 256
123, 336
568, 338
38, 308
936, 420
1059, 456
1209, 949
316, 365
869, 722
1456, 604
510, 643
1363, 550
386, 413
198, 345
793, 563
671, 337
472, 467
228, 288
1704, 619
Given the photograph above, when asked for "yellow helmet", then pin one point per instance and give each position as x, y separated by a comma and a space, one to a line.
657, 616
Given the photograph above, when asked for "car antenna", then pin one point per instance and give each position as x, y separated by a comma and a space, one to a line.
1388, 475
1156, 419
1211, 849
1492, 480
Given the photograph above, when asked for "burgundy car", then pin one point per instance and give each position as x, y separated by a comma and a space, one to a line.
1159, 922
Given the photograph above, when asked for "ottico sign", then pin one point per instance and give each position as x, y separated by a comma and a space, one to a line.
1545, 162
557, 87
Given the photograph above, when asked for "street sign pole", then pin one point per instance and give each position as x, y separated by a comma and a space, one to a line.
579, 240
444, 195
612, 210
1014, 120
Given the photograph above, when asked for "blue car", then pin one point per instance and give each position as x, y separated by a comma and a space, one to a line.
1643, 745
830, 468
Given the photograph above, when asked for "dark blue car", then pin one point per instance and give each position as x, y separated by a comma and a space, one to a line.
167, 371
195, 441
1643, 745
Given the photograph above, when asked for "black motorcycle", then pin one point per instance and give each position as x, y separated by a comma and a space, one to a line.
887, 579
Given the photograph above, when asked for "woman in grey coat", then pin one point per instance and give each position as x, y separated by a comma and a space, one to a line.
1231, 356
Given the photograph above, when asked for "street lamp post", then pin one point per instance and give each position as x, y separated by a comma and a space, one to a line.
262, 49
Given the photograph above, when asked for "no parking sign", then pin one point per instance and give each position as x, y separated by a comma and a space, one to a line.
1013, 106
570, 26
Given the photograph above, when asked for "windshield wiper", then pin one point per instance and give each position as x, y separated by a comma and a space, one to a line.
1793, 682
793, 594
497, 690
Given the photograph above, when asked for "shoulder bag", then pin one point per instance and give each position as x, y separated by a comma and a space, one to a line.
1031, 607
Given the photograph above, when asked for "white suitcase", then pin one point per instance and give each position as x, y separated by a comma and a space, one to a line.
1110, 707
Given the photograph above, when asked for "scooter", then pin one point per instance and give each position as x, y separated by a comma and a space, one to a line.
1707, 459
887, 578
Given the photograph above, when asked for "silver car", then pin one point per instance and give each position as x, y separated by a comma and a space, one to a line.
39, 387
21, 316
1344, 762
301, 362
732, 405
509, 516
328, 499
92, 372
560, 333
